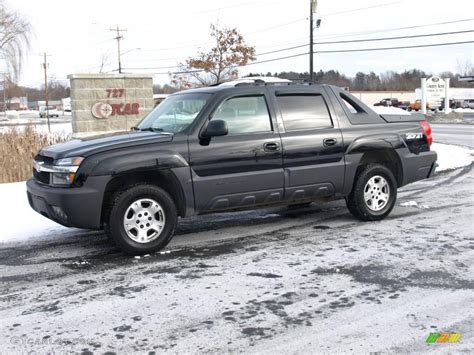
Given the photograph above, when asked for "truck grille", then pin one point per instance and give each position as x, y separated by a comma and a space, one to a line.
42, 176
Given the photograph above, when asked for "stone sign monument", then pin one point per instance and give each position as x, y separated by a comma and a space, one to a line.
103, 103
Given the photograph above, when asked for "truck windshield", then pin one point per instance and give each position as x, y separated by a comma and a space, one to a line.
174, 114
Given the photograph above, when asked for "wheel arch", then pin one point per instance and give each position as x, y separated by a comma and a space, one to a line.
387, 157
164, 179
384, 155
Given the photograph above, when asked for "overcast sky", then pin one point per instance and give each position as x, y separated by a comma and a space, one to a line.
76, 34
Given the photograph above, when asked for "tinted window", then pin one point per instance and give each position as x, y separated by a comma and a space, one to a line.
247, 114
304, 112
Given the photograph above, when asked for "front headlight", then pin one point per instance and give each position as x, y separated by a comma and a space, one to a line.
64, 170
74, 161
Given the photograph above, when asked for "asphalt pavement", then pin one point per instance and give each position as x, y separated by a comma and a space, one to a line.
458, 134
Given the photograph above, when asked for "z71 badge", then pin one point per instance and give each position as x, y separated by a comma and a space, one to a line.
414, 135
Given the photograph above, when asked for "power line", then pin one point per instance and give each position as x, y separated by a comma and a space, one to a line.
306, 53
345, 34
209, 42
364, 50
397, 37
360, 9
349, 34
369, 40
327, 36
399, 47
332, 42
326, 15
278, 26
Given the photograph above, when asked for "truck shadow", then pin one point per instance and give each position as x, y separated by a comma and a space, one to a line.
96, 246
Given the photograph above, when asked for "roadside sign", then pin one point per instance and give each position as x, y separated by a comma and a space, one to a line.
433, 90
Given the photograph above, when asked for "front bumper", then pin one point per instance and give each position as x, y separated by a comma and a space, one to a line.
79, 207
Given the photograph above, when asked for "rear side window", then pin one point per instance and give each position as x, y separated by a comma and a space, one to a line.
351, 105
246, 114
301, 112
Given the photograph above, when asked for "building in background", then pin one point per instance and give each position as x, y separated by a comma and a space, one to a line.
372, 97
36, 105
15, 103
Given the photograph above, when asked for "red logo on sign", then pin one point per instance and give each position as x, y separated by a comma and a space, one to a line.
125, 109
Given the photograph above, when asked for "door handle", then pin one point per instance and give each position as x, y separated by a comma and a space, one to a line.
271, 147
329, 141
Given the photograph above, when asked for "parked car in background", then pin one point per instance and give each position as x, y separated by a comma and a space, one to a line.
51, 112
392, 102
416, 106
453, 104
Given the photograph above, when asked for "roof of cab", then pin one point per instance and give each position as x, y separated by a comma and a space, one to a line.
221, 88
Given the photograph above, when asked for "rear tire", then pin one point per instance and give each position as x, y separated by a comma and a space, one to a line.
374, 193
141, 219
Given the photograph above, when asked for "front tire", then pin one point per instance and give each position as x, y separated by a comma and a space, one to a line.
142, 219
374, 193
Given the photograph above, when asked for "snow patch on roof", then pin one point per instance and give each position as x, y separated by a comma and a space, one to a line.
253, 79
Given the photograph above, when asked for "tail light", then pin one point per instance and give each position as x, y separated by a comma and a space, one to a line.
427, 131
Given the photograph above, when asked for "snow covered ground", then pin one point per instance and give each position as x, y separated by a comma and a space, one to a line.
16, 211
58, 126
451, 156
12, 115
390, 110
19, 221
312, 280
463, 110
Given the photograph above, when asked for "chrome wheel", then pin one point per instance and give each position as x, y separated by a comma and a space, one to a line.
144, 220
376, 193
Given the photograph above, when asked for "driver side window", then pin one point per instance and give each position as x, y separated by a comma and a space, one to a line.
245, 114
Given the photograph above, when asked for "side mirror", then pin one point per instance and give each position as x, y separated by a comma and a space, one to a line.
215, 128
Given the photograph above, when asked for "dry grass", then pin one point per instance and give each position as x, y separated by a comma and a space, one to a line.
17, 150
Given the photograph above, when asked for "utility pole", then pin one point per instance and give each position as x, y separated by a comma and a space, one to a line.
118, 38
45, 66
313, 5
5, 94
311, 78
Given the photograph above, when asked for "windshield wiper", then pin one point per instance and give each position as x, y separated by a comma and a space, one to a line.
150, 129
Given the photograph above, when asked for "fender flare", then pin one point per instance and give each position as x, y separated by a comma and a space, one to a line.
373, 142
369, 144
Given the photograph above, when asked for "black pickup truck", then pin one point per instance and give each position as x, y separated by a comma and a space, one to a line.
227, 148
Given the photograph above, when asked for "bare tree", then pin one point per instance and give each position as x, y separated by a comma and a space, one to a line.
14, 39
465, 67
219, 64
